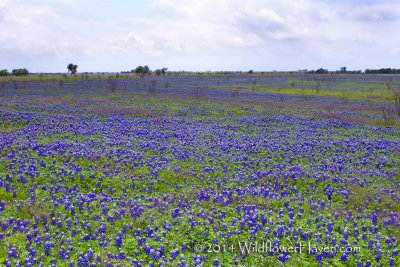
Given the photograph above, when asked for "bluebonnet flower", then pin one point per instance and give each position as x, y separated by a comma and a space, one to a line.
47, 246
118, 241
184, 247
174, 253
12, 253
346, 233
121, 255
147, 248
391, 262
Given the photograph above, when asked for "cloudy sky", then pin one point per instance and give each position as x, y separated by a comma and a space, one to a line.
199, 35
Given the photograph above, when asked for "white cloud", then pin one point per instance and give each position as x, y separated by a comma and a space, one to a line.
231, 34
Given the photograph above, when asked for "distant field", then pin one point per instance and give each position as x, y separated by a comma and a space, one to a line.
353, 86
199, 170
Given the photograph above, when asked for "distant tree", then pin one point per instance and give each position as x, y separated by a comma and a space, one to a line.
139, 69
321, 71
19, 72
343, 70
250, 72
146, 69
382, 71
162, 71
72, 68
142, 69
4, 72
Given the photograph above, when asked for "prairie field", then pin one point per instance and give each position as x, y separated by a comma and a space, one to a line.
272, 169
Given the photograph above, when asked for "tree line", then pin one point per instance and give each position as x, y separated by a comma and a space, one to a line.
146, 70
367, 71
16, 72
382, 71
72, 68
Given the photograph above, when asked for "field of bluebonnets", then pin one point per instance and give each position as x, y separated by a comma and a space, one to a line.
189, 170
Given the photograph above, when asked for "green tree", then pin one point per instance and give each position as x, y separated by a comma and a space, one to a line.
72, 68
162, 71
24, 71
19, 72
142, 69
4, 72
321, 71
139, 69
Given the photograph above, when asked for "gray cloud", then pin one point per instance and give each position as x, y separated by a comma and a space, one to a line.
375, 14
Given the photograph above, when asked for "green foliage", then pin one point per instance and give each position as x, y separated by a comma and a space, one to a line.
19, 72
72, 68
382, 71
142, 69
4, 72
321, 71
162, 71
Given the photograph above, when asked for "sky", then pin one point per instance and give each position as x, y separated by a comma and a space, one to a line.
199, 35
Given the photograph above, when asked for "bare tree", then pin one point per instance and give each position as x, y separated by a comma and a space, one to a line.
235, 92
279, 95
396, 100
345, 97
395, 96
2, 86
152, 88
317, 87
197, 92
113, 84
388, 114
